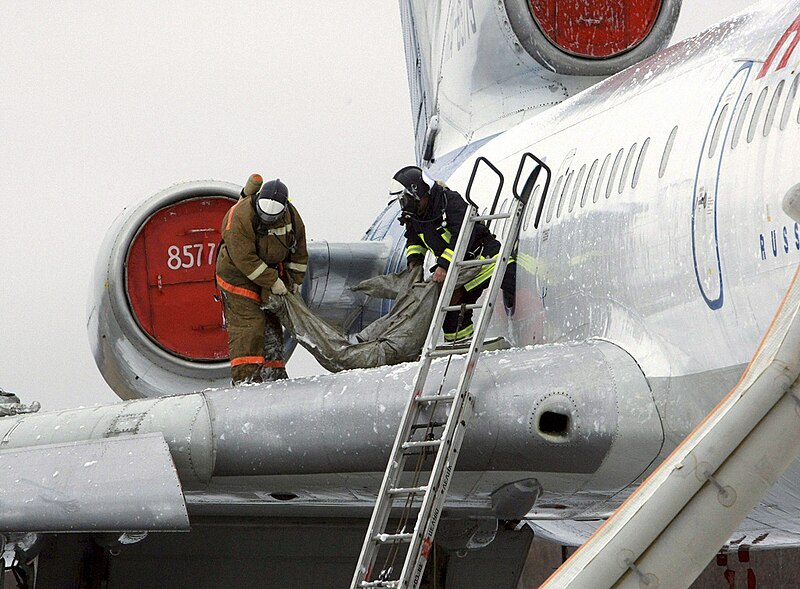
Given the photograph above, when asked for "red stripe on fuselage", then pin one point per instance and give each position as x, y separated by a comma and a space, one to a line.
793, 28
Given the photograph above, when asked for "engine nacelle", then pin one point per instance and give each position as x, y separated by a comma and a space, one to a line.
156, 323
592, 38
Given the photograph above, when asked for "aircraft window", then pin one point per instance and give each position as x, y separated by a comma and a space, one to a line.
751, 131
787, 108
798, 116
626, 168
737, 132
574, 196
601, 177
589, 179
533, 205
562, 199
712, 146
638, 169
553, 198
773, 106
613, 175
667, 151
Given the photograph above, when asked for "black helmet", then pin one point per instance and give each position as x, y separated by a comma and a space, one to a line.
270, 202
409, 185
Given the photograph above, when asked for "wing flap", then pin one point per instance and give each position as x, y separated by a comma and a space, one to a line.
125, 483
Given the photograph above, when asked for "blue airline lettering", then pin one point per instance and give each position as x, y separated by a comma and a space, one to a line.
787, 243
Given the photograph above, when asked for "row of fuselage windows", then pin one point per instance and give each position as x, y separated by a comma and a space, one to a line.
592, 183
755, 125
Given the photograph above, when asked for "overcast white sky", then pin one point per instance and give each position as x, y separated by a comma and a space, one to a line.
105, 103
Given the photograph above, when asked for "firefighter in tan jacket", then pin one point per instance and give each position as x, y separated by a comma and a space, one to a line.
263, 254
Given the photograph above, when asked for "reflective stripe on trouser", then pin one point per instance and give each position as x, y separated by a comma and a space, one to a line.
461, 334
255, 340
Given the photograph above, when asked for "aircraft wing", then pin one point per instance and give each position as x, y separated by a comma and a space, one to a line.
126, 483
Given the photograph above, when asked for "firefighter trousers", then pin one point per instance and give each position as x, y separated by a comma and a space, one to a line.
255, 340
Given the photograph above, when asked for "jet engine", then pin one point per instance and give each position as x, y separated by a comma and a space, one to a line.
587, 38
156, 324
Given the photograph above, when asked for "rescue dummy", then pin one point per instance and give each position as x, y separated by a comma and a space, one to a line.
262, 255
432, 215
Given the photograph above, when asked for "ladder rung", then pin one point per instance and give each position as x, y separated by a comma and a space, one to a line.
490, 217
407, 490
447, 352
458, 307
417, 426
422, 444
379, 584
479, 262
435, 399
392, 538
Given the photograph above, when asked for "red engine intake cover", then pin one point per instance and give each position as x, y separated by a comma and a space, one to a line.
592, 28
170, 278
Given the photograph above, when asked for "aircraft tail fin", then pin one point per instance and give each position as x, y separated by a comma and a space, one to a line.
476, 69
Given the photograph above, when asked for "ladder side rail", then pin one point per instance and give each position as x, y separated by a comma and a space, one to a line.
433, 334
450, 282
433, 502
468, 193
394, 467
384, 500
427, 358
485, 313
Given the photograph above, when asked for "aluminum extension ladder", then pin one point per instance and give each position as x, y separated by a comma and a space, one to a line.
424, 432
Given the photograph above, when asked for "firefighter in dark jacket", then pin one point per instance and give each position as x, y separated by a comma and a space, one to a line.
263, 254
432, 215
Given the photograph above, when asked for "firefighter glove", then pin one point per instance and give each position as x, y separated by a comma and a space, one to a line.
279, 288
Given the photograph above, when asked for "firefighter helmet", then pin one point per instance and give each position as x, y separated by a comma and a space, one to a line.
409, 185
270, 202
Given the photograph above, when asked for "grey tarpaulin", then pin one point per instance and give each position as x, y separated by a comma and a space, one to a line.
394, 338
